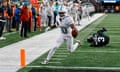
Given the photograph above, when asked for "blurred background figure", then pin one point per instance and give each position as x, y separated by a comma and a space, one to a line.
2, 19
9, 18
44, 14
24, 20
73, 12
17, 16
79, 14
49, 16
34, 17
57, 7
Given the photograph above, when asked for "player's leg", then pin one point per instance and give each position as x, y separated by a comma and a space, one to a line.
69, 42
52, 51
70, 46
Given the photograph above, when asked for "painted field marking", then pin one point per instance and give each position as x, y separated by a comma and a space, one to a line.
62, 53
76, 67
51, 62
114, 36
63, 56
98, 51
57, 59
115, 42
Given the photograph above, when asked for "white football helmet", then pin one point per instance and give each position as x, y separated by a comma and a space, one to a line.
62, 11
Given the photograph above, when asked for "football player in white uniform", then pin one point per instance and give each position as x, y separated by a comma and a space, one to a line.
66, 25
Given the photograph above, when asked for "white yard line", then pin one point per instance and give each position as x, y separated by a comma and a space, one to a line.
76, 67
98, 51
57, 59
55, 62
62, 53
114, 36
114, 42
61, 56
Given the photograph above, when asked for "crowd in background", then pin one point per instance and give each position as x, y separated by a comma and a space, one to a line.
26, 17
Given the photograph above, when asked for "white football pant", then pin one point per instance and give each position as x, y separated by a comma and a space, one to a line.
61, 39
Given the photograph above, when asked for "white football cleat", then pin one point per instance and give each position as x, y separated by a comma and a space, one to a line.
47, 29
44, 62
2, 38
78, 41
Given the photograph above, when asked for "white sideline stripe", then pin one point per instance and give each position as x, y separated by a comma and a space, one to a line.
62, 50
115, 36
57, 59
54, 62
100, 51
62, 53
60, 56
70, 67
114, 42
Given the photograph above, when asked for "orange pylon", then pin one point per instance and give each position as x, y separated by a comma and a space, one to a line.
22, 58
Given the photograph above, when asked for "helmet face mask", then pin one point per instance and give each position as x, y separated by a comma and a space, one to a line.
61, 14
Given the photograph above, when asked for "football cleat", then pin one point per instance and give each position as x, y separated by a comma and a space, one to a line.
78, 41
44, 62
2, 38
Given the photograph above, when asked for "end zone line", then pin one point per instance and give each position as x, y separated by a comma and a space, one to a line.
70, 67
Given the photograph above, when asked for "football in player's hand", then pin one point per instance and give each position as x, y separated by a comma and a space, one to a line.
74, 33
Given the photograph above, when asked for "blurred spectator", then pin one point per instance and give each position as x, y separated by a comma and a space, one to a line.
43, 14
74, 12
79, 14
17, 16
9, 18
29, 25
24, 20
117, 8
50, 16
2, 20
34, 14
57, 7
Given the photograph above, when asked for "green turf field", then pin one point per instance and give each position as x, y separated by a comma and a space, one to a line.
85, 56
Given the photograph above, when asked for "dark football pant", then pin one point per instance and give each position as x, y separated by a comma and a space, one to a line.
24, 29
1, 28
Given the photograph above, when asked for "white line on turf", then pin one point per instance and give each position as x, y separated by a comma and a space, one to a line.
76, 67
57, 59
54, 62
63, 56
115, 42
98, 51
114, 36
62, 53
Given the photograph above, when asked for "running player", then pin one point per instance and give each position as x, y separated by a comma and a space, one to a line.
66, 25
